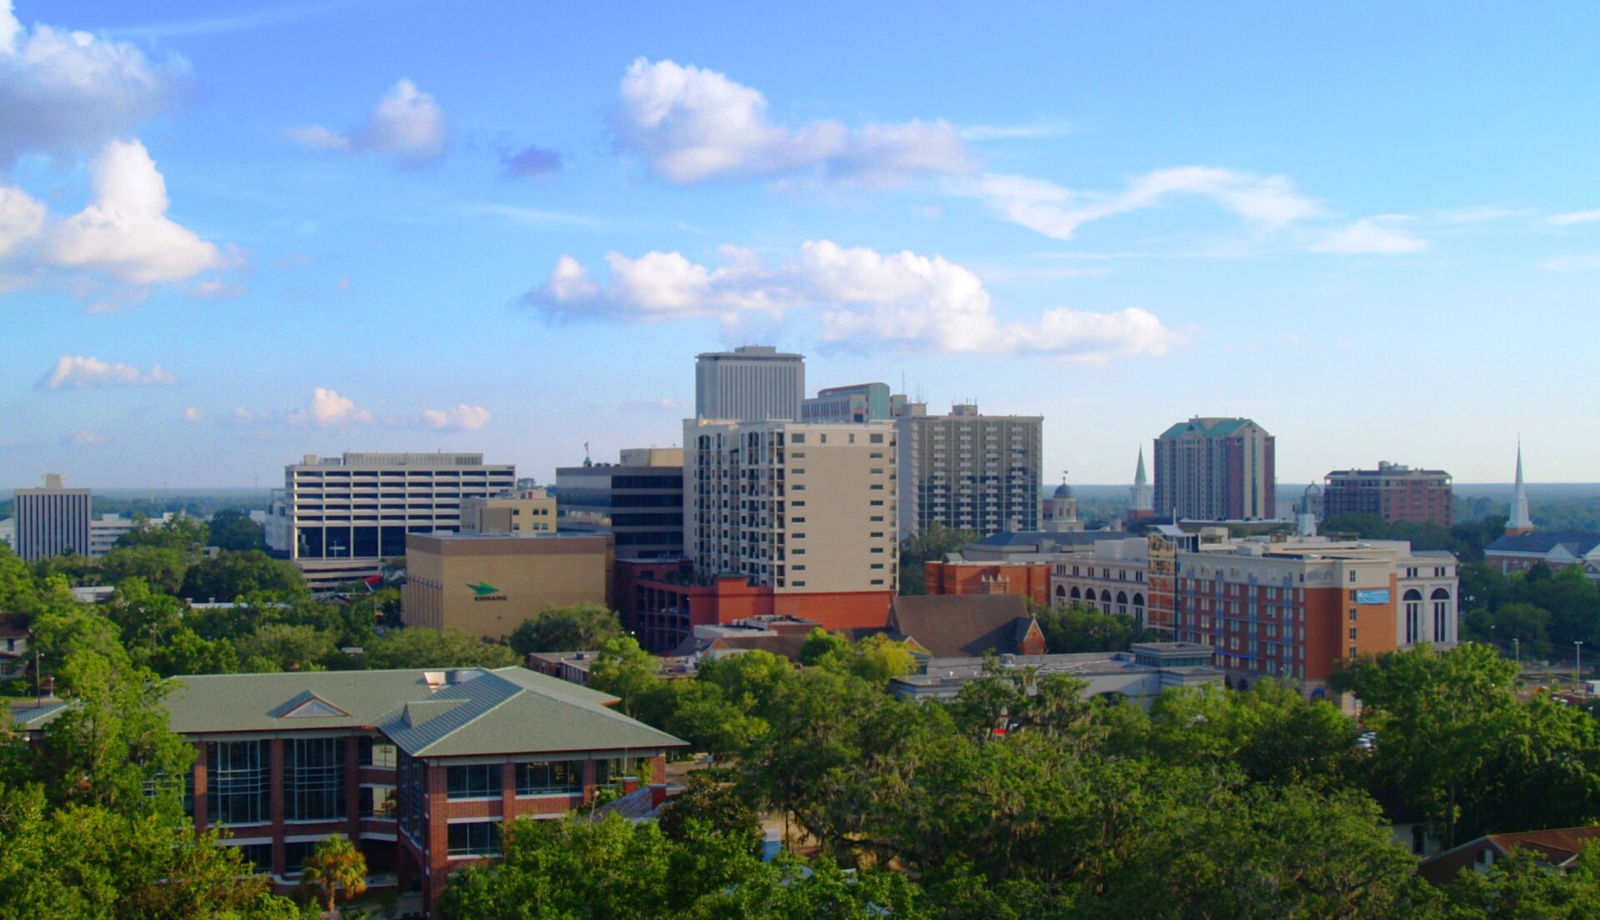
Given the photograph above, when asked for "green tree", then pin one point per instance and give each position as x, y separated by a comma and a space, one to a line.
718, 807
182, 533
576, 627
1078, 627
819, 644
233, 575
334, 868
627, 671
161, 567
280, 647
929, 545
875, 659
1521, 887
421, 647
231, 529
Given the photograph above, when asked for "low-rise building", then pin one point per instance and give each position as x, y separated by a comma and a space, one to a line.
15, 632
1557, 849
519, 511
1555, 548
957, 575
421, 769
1138, 675
487, 584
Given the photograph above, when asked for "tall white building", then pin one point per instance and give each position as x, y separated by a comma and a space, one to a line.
752, 383
969, 471
51, 520
799, 508
340, 517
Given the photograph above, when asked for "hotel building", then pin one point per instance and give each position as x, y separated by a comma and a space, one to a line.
1215, 469
1392, 492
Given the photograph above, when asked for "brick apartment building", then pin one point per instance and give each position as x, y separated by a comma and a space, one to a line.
1392, 492
419, 768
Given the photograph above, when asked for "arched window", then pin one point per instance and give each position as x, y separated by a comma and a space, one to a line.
1105, 597
1413, 602
1060, 591
1122, 602
1440, 594
1075, 595
1441, 615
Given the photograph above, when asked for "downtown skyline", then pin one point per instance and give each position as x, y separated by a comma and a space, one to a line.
234, 234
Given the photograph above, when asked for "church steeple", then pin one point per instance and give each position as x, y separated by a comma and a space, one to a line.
1519, 523
1143, 498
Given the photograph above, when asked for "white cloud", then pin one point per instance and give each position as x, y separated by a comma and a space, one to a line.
76, 372
21, 220
461, 418
1576, 217
62, 91
1034, 130
327, 408
1058, 212
83, 437
1580, 263
1372, 236
124, 232
191, 414
861, 297
407, 126
692, 124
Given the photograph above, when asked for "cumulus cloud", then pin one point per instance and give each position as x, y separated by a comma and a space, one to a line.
1058, 212
77, 372
21, 220
461, 418
532, 162
691, 124
63, 91
407, 126
1372, 236
124, 232
327, 408
861, 297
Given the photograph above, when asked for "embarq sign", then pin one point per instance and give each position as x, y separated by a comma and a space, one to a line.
483, 591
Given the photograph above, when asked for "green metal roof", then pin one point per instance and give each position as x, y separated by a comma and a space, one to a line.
1208, 427
427, 712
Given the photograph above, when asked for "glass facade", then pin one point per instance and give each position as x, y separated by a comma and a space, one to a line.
239, 781
313, 779
379, 802
479, 838
561, 777
376, 752
473, 781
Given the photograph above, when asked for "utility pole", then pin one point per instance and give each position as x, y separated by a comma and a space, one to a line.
1577, 664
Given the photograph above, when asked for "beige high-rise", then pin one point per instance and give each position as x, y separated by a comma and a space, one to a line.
800, 508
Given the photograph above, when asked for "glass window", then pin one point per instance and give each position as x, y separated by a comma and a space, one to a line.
376, 752
378, 802
561, 777
257, 857
295, 854
474, 781
313, 779
612, 772
479, 838
237, 777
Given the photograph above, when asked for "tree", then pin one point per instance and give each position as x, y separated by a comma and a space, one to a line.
1521, 886
1078, 627
161, 567
335, 866
280, 647
875, 659
929, 545
625, 670
233, 575
183, 533
819, 644
421, 647
717, 806
577, 627
232, 529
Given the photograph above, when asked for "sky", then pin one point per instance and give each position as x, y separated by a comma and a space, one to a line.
232, 234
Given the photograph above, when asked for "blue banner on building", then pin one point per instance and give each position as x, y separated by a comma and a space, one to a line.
1372, 596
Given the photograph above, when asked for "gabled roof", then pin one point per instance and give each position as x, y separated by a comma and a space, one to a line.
428, 713
955, 626
1576, 542
1557, 847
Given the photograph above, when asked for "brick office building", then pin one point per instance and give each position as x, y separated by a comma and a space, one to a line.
418, 768
1392, 492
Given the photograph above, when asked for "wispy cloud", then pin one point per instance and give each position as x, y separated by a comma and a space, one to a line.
531, 162
536, 216
1380, 235
1058, 212
78, 372
1571, 263
1575, 217
1027, 131
241, 22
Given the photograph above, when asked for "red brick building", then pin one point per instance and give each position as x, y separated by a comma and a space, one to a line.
1392, 492
1029, 579
662, 601
420, 769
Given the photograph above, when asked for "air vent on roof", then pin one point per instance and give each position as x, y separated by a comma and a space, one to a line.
434, 679
462, 675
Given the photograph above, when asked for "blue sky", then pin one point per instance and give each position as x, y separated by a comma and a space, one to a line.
233, 234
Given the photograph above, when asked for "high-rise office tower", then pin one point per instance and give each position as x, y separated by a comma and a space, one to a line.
1215, 469
752, 383
798, 508
639, 500
860, 402
969, 471
1392, 491
339, 517
52, 520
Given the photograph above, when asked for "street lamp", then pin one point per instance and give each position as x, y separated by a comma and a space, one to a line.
1516, 649
1577, 664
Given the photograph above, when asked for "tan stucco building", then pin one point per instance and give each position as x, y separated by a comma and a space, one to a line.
522, 511
487, 584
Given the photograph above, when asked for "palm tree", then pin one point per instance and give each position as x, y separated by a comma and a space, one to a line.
335, 865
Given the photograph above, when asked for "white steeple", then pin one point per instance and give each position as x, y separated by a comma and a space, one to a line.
1143, 497
1519, 522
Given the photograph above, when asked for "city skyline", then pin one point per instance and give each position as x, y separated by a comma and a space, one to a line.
232, 234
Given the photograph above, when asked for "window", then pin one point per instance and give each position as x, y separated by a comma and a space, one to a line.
1352, 633
237, 776
378, 802
295, 853
612, 772
478, 838
473, 781
376, 752
257, 856
313, 779
561, 777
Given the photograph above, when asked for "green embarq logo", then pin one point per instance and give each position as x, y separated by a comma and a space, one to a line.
483, 589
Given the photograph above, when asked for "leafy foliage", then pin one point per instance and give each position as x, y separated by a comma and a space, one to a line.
578, 627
